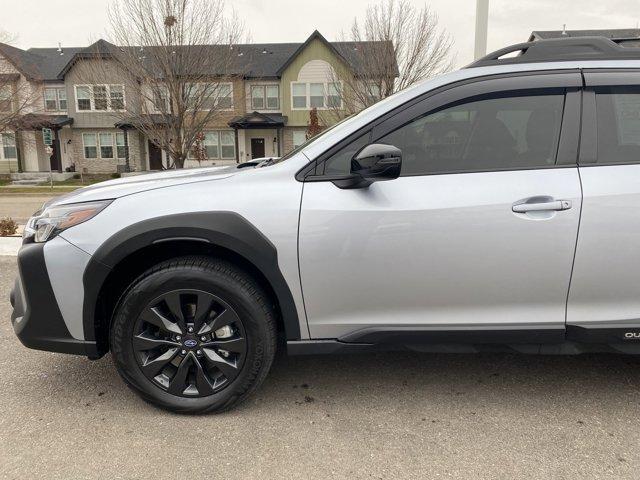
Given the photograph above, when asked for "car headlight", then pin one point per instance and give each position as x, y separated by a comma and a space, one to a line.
51, 221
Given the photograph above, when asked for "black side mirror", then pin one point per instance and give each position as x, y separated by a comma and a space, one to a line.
373, 163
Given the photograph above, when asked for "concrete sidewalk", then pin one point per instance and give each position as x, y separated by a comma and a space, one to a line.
10, 245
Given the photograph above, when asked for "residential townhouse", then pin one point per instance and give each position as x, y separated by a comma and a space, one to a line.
266, 109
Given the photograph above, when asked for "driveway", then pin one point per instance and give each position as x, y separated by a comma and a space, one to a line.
396, 415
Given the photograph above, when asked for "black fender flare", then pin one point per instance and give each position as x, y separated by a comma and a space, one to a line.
228, 230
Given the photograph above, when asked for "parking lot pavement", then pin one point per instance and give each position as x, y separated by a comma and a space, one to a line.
397, 415
21, 206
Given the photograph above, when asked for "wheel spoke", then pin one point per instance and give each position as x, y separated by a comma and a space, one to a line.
236, 345
144, 341
177, 385
225, 318
174, 303
153, 316
203, 307
228, 368
152, 367
202, 381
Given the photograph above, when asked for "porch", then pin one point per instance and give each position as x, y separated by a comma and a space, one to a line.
259, 135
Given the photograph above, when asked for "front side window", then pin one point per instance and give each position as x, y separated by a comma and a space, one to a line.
62, 98
83, 96
333, 95
489, 134
225, 100
618, 120
90, 145
9, 150
116, 95
99, 98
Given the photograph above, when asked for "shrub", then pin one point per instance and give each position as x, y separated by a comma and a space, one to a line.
115, 175
8, 226
77, 176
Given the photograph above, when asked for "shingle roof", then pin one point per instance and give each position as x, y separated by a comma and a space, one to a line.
255, 60
617, 33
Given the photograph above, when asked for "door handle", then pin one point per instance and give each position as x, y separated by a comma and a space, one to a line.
554, 205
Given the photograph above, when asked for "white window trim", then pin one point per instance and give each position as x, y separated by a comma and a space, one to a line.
308, 95
99, 156
57, 99
92, 97
264, 87
230, 109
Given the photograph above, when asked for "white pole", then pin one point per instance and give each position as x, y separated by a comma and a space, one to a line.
482, 25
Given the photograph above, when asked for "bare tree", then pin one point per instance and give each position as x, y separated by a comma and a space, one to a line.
178, 58
395, 46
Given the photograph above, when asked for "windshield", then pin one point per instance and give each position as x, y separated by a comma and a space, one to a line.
312, 139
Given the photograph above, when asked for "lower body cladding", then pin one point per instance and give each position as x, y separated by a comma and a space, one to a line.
43, 320
612, 337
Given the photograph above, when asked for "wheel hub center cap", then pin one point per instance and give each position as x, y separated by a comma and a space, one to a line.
190, 343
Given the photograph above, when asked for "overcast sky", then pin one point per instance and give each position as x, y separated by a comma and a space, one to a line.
39, 23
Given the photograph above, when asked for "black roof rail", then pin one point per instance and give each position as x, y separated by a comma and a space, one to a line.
563, 49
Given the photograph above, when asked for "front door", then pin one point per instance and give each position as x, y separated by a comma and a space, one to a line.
257, 147
479, 231
155, 157
55, 158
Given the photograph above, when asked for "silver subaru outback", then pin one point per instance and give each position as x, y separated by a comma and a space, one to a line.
495, 207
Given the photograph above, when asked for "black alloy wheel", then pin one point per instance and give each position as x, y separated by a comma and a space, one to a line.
189, 342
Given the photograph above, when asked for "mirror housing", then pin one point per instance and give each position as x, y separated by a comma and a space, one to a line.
374, 163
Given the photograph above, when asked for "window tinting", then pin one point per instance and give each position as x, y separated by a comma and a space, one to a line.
488, 134
618, 114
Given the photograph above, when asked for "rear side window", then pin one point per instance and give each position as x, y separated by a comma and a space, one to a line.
489, 134
618, 117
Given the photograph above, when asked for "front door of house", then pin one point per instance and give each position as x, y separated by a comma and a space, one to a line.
257, 147
54, 159
155, 157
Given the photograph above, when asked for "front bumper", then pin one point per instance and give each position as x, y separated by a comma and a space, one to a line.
36, 317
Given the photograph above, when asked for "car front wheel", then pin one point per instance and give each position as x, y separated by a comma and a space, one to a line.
194, 335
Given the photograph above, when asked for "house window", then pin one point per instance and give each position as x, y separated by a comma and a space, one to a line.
90, 145
333, 95
208, 96
100, 98
121, 149
265, 97
299, 93
8, 142
227, 144
55, 99
211, 144
106, 145
299, 137
257, 97
5, 98
101, 145
161, 99
316, 95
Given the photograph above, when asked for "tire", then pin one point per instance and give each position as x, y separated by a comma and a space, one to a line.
211, 372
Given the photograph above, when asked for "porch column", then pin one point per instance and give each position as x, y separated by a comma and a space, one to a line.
127, 164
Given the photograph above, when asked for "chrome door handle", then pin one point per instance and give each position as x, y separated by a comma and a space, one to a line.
555, 205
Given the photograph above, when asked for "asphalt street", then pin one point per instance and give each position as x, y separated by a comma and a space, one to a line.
395, 415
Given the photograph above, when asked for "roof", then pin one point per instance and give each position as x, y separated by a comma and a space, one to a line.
253, 60
36, 121
616, 33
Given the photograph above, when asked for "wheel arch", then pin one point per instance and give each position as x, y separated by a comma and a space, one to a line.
128, 253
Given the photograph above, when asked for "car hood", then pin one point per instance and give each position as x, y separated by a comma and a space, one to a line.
145, 181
